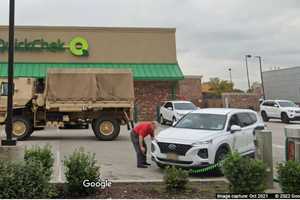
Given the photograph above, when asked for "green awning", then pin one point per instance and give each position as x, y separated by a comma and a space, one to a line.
140, 71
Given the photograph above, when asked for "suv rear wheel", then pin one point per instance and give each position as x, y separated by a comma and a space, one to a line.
264, 116
21, 127
106, 128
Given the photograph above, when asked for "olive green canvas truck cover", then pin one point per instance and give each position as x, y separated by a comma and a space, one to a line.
75, 89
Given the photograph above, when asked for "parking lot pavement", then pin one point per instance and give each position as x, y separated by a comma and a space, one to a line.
117, 158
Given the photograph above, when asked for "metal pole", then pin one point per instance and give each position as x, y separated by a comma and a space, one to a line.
246, 56
230, 75
262, 79
8, 127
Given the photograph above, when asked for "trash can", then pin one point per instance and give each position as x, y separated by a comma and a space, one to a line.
292, 142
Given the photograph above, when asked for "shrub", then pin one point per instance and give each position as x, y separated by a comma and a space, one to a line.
176, 178
43, 155
289, 176
245, 175
81, 166
24, 180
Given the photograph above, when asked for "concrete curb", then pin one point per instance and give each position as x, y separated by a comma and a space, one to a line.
161, 180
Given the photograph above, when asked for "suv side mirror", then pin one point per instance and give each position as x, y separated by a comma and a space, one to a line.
170, 108
235, 128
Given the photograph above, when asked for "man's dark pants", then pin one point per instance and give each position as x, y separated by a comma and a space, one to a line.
141, 158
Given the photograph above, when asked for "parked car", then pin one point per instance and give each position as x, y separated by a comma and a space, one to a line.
280, 109
204, 137
172, 111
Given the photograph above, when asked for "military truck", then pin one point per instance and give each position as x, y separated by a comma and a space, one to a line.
103, 98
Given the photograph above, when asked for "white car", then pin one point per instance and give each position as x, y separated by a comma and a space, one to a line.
205, 136
172, 111
280, 109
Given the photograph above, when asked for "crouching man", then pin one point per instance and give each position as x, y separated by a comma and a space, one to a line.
138, 135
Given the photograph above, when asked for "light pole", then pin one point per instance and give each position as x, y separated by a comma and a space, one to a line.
246, 57
261, 77
10, 76
230, 76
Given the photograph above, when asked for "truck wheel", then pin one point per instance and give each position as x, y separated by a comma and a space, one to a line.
21, 127
106, 128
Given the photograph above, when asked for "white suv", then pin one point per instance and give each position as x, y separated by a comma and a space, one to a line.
205, 136
172, 111
280, 109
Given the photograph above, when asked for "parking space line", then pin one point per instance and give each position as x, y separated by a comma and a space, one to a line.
278, 146
59, 176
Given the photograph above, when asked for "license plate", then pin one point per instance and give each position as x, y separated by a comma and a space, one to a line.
172, 156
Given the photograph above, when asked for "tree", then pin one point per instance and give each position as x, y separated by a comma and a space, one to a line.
220, 86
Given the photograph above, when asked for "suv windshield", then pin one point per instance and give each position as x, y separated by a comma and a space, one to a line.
287, 104
202, 121
184, 106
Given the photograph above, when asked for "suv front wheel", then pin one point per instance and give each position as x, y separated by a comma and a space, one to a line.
264, 116
285, 118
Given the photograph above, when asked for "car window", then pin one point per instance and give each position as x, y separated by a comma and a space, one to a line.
269, 103
253, 117
202, 121
168, 105
234, 120
266, 103
287, 104
184, 106
4, 89
245, 119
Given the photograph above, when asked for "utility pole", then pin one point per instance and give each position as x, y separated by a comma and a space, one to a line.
261, 77
8, 127
246, 57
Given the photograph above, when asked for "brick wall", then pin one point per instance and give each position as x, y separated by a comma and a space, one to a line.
241, 100
190, 89
150, 94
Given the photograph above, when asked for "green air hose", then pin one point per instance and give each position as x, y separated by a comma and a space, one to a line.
212, 167
206, 169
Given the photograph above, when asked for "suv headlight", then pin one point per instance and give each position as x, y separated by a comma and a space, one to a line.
202, 142
291, 111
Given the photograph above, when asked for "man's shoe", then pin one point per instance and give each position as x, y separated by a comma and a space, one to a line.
147, 164
142, 166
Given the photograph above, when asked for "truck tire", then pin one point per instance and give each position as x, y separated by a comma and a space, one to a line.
21, 127
106, 128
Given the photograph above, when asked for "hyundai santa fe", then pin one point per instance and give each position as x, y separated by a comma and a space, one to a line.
205, 136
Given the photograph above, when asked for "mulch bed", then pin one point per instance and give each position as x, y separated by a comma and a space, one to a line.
195, 190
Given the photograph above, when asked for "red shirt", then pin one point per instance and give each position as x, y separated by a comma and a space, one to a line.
144, 129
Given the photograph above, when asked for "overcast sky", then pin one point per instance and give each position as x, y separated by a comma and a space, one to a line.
211, 34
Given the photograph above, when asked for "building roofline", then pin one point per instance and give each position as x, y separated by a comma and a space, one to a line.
193, 76
93, 28
282, 69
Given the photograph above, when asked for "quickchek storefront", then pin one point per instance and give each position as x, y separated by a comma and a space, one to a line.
149, 52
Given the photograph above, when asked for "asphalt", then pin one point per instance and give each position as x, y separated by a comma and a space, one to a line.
117, 158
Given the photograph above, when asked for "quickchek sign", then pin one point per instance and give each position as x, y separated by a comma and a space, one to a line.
78, 46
